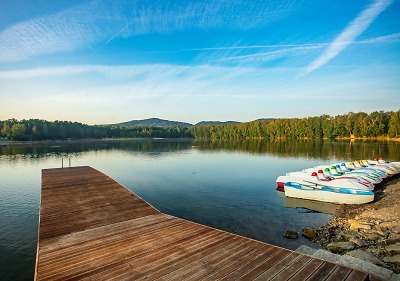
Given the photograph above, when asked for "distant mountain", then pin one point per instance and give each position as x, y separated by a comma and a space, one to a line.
266, 119
153, 122
204, 123
157, 122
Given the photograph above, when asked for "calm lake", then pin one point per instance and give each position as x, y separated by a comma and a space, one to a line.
226, 185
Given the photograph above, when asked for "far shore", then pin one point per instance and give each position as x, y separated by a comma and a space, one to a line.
6, 142
66, 141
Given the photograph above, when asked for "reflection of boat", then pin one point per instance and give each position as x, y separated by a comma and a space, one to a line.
338, 195
321, 207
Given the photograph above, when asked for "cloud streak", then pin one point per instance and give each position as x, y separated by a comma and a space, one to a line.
350, 33
79, 27
272, 55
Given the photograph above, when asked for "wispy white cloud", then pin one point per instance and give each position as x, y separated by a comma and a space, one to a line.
350, 33
162, 80
271, 55
257, 53
395, 37
80, 26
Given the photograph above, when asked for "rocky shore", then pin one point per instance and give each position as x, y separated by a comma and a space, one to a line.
370, 232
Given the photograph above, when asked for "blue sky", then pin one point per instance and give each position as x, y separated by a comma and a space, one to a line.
110, 61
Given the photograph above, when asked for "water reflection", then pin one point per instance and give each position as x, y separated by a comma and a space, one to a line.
229, 185
323, 150
315, 206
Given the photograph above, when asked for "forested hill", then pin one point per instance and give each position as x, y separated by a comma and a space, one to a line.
207, 123
157, 122
358, 125
153, 122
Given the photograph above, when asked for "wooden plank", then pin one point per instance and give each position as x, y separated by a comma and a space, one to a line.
289, 271
339, 273
248, 267
325, 270
278, 267
305, 272
160, 262
266, 264
357, 275
91, 227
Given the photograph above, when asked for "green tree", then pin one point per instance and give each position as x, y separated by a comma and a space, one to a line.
18, 132
394, 125
6, 130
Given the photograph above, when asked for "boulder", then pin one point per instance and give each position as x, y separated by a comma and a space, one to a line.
369, 236
356, 224
394, 259
290, 234
390, 241
340, 247
347, 236
309, 233
393, 249
359, 242
365, 256
380, 232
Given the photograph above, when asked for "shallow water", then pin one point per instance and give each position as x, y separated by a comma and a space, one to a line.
226, 185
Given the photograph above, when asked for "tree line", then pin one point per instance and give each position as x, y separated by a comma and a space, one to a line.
35, 129
358, 125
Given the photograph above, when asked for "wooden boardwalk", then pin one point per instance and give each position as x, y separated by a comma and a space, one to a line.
91, 227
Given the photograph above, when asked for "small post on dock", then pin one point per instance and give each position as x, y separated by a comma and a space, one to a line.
62, 162
69, 161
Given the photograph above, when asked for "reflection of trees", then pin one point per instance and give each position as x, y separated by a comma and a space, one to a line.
309, 148
324, 150
73, 147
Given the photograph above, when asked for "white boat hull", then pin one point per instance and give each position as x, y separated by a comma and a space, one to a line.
306, 178
328, 194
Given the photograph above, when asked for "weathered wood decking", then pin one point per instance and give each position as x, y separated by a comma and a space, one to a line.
91, 227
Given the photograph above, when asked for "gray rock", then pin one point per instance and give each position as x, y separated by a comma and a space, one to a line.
369, 236
347, 236
309, 233
365, 256
380, 232
395, 277
381, 272
290, 234
306, 250
390, 241
326, 256
393, 249
340, 247
395, 259
359, 242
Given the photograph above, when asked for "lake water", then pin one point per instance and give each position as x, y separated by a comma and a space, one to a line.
226, 185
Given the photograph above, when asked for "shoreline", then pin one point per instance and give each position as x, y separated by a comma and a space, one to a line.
7, 142
67, 141
370, 232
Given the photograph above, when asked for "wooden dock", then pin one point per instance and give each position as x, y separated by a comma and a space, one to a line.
91, 227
